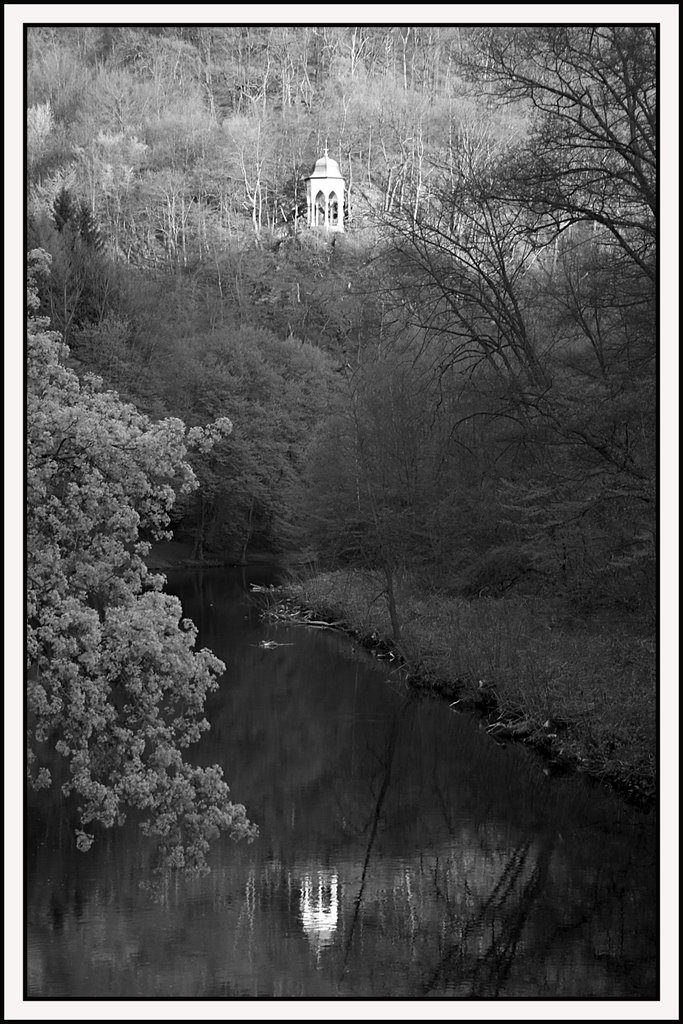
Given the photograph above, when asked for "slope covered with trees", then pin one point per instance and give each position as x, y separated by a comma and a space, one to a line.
503, 428
460, 392
499, 248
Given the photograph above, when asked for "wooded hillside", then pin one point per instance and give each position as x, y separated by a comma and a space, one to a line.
464, 384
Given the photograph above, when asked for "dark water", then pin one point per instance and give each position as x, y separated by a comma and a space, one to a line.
402, 853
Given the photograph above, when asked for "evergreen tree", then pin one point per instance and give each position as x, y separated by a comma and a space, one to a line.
88, 228
65, 209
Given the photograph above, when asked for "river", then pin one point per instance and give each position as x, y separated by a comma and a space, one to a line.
402, 853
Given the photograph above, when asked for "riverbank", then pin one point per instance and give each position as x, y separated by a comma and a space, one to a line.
173, 554
582, 694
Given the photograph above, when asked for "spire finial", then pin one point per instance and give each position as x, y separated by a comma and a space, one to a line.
325, 147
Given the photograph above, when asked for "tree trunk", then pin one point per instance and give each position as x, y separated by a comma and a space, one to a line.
391, 602
198, 550
250, 527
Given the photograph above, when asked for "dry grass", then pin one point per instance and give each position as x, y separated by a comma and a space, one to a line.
598, 683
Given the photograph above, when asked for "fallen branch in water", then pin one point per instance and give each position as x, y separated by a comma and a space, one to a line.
313, 622
268, 645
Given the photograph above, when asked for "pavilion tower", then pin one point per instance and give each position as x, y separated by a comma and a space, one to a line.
325, 195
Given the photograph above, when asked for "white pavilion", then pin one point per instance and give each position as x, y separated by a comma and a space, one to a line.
325, 195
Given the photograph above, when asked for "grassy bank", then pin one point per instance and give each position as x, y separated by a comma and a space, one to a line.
584, 693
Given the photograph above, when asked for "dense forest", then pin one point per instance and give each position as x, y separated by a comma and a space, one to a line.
457, 391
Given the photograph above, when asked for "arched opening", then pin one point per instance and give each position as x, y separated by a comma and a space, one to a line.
334, 210
319, 209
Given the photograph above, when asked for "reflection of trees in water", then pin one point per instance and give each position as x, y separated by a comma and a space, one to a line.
447, 880
467, 962
385, 762
558, 937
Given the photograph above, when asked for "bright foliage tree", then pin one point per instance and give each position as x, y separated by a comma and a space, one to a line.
115, 686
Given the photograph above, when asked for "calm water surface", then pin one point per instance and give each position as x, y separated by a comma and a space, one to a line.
401, 853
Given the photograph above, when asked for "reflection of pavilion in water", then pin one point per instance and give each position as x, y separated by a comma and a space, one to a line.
328, 902
460, 920
454, 875
319, 907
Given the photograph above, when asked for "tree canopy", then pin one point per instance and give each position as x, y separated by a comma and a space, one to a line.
115, 686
